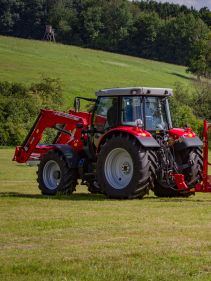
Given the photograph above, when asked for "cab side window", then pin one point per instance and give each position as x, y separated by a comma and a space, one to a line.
131, 110
106, 114
156, 117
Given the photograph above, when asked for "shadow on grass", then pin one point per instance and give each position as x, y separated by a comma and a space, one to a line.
181, 76
97, 197
73, 197
175, 199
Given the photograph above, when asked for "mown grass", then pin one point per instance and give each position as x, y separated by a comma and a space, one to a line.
82, 71
88, 237
84, 236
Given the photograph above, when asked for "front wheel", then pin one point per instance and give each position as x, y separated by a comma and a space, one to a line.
124, 168
54, 175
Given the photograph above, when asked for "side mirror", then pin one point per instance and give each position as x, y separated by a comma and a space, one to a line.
77, 104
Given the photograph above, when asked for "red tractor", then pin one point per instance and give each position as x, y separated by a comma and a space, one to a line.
123, 147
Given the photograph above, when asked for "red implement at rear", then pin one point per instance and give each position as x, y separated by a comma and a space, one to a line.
205, 185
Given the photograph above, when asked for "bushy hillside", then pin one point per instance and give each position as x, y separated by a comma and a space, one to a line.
82, 71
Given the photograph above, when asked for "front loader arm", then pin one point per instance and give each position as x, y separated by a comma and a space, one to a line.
46, 119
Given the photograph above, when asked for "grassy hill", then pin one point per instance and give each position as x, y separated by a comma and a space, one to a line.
82, 71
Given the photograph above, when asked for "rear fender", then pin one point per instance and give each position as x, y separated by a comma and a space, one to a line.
184, 138
184, 143
142, 136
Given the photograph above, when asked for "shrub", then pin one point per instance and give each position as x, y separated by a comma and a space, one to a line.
182, 109
20, 105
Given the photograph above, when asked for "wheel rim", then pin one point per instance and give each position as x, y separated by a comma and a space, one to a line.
118, 168
51, 175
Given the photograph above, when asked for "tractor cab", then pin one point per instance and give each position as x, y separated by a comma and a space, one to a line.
147, 108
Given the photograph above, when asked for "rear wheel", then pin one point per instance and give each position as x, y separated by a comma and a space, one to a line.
193, 158
124, 168
54, 175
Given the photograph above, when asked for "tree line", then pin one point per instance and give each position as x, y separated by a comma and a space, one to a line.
160, 31
21, 104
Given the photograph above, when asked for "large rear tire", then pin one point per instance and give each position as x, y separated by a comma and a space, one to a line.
54, 175
124, 168
193, 174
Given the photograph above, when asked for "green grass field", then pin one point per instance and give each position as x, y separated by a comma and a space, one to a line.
83, 236
82, 71
88, 237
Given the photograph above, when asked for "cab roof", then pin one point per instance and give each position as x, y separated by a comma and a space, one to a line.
135, 91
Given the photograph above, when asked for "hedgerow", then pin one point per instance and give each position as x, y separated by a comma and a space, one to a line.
20, 105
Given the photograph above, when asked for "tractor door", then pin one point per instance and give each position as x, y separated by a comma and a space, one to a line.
105, 116
156, 112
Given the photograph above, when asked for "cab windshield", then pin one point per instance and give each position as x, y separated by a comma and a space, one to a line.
151, 111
